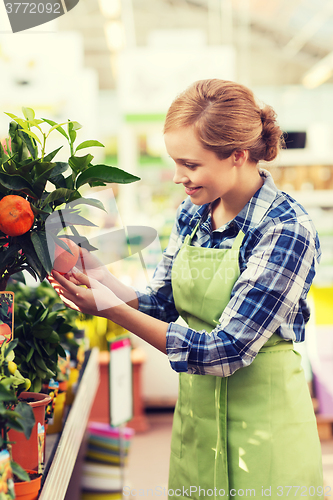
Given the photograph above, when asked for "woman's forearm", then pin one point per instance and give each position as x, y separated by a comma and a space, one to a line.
124, 292
150, 329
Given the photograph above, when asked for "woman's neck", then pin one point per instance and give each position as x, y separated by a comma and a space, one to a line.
226, 208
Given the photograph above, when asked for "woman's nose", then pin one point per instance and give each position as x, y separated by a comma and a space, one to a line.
180, 176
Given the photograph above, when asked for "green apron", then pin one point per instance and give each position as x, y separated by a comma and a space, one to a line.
253, 433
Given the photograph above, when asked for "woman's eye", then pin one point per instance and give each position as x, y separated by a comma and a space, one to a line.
190, 165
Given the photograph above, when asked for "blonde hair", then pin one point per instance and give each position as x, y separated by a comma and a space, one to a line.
227, 118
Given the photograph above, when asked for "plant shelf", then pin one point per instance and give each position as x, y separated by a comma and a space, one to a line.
66, 445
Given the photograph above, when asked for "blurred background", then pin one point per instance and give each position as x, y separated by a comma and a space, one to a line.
115, 66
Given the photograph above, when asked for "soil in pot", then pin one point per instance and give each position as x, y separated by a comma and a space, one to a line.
28, 490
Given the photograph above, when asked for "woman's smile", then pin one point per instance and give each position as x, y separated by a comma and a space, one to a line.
190, 191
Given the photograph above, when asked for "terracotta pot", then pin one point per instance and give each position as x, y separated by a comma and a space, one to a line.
28, 490
25, 451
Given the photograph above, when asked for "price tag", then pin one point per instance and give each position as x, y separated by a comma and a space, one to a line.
120, 372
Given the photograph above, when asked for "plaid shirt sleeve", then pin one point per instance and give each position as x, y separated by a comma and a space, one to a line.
274, 282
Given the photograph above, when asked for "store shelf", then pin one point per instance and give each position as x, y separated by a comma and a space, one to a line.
67, 444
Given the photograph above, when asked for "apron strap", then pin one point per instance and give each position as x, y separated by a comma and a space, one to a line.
194, 230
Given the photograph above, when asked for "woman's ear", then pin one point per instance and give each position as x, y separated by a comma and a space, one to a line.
240, 156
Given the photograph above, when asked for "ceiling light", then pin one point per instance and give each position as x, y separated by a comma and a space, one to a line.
115, 35
110, 8
319, 73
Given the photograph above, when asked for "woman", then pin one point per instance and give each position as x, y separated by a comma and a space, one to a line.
238, 267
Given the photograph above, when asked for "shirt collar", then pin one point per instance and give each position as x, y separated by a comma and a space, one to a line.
256, 208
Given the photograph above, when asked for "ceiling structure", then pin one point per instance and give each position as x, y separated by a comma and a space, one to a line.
277, 42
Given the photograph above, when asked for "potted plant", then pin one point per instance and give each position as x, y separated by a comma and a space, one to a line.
42, 325
40, 200
14, 414
40, 195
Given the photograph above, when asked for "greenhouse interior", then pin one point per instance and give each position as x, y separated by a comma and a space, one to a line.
88, 168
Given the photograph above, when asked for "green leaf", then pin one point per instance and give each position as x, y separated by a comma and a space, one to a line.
72, 135
54, 338
58, 194
29, 355
19, 471
40, 183
42, 331
28, 132
29, 113
51, 155
18, 120
89, 144
35, 123
80, 163
36, 385
12, 116
12, 344
56, 126
32, 258
60, 168
6, 394
76, 125
40, 362
16, 183
40, 244
41, 317
30, 143
19, 277
28, 419
105, 173
87, 201
60, 219
61, 351
52, 317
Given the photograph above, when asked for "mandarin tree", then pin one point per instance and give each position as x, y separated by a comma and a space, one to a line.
50, 187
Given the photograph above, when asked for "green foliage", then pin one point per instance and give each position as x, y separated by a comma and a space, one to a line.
42, 323
14, 414
27, 170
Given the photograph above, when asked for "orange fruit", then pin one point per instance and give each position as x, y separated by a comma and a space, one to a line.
16, 216
63, 260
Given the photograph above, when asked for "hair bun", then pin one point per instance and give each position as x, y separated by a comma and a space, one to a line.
271, 133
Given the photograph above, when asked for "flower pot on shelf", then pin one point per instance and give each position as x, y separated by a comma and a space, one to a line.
58, 414
29, 453
72, 383
28, 490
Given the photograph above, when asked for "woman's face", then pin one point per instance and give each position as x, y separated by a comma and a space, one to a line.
204, 176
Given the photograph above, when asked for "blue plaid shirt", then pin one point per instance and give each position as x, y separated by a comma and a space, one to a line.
277, 260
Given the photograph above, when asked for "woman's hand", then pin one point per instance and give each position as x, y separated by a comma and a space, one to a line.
95, 270
84, 293
87, 295
90, 265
